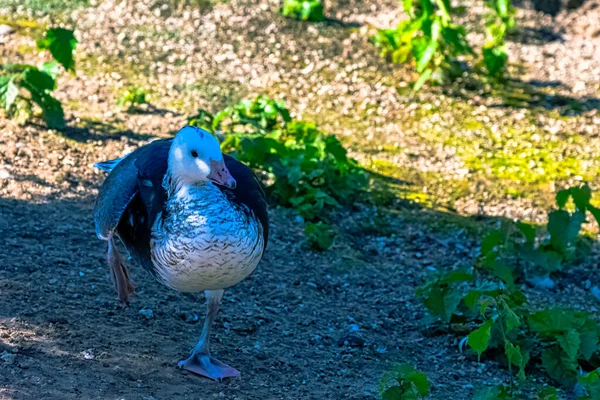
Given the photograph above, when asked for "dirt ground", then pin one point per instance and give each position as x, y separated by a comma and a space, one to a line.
305, 325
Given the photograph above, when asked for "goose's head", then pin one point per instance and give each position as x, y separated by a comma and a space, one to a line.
196, 157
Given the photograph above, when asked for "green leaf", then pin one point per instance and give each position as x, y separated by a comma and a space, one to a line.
564, 228
591, 383
562, 197
39, 80
527, 230
548, 393
581, 197
512, 320
8, 91
559, 366
50, 68
588, 344
480, 338
491, 240
550, 322
61, 43
492, 393
495, 59
569, 341
443, 302
514, 357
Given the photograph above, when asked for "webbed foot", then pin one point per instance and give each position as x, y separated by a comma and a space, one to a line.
209, 367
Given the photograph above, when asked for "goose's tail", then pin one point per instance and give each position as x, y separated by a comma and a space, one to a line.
109, 165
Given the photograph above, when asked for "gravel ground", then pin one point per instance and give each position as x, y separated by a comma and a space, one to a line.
306, 325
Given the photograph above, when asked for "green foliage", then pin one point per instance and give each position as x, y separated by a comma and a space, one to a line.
495, 56
404, 383
562, 341
305, 168
305, 10
132, 98
513, 252
429, 38
23, 85
319, 235
434, 43
548, 393
590, 385
61, 43
492, 393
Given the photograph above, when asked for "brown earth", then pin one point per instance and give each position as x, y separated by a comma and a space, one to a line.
305, 325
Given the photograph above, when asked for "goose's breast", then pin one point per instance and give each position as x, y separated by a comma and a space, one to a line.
206, 247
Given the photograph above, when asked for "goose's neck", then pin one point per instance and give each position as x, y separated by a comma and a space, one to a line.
178, 187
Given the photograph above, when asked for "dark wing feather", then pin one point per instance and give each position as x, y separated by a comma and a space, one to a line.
248, 191
122, 185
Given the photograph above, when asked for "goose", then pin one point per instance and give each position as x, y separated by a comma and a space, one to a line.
195, 218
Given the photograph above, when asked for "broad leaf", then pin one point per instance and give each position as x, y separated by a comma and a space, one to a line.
492, 393
491, 240
548, 393
39, 80
562, 197
442, 302
514, 357
559, 366
480, 338
588, 344
61, 43
527, 230
569, 341
581, 197
8, 91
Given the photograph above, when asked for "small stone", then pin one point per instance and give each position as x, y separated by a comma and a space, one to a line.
4, 174
8, 358
53, 281
6, 30
88, 354
595, 292
351, 341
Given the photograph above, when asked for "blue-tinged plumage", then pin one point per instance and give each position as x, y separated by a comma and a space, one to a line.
197, 220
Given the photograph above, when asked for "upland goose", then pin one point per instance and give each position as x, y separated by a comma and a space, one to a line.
193, 217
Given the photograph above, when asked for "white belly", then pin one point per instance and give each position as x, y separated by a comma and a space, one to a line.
204, 244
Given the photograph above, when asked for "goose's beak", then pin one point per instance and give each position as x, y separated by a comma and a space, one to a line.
220, 175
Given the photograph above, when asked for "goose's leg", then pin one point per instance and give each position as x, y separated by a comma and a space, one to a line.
201, 362
119, 273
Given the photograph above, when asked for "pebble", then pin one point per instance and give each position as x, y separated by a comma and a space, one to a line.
4, 174
6, 30
595, 292
8, 358
52, 281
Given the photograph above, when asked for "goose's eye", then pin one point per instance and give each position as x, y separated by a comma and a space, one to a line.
194, 153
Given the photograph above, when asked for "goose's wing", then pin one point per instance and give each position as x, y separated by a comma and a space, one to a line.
138, 173
248, 191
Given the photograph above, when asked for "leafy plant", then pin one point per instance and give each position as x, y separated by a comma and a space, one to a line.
514, 251
568, 338
132, 98
304, 168
492, 393
308, 170
320, 236
495, 56
429, 37
305, 10
589, 385
23, 85
404, 383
